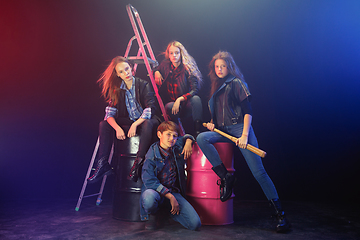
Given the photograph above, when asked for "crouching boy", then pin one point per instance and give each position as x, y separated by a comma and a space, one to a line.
163, 177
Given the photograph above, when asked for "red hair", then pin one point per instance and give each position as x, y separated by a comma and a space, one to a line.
110, 82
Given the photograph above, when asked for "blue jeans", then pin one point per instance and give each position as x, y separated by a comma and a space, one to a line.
206, 140
188, 217
194, 104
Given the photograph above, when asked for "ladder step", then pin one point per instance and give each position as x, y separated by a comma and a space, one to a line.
140, 60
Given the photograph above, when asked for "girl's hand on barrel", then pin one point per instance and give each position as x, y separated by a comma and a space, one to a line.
132, 130
210, 126
120, 134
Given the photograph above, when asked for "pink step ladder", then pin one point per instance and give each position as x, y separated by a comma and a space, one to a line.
140, 58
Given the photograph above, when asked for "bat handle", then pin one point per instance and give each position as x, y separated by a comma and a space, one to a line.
249, 147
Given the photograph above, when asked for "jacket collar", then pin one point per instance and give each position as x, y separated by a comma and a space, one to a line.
230, 77
157, 154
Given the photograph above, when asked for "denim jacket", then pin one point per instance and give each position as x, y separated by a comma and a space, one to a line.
231, 94
153, 165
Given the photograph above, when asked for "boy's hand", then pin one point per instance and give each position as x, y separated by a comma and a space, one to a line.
175, 209
187, 150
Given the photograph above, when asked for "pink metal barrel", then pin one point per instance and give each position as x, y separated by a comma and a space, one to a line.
202, 189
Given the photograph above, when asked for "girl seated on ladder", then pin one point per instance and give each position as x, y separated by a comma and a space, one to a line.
131, 103
179, 79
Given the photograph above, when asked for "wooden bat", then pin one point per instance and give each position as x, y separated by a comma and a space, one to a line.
249, 147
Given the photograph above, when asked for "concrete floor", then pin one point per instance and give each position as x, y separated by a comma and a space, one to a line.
252, 220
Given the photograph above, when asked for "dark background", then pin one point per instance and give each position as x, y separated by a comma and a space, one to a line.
301, 59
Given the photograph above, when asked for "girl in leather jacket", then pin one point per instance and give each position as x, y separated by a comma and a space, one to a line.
179, 79
231, 112
131, 109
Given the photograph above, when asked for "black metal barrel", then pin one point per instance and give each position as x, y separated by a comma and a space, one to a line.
126, 192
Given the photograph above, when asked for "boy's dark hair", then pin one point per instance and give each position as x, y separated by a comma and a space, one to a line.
168, 126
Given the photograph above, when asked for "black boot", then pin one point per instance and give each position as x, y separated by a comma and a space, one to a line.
103, 168
197, 127
227, 181
151, 224
283, 224
135, 171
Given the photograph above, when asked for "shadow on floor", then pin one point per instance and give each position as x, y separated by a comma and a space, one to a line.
252, 220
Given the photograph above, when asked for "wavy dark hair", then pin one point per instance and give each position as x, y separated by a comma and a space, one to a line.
233, 69
110, 82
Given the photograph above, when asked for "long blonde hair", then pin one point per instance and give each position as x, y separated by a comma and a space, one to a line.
110, 82
188, 61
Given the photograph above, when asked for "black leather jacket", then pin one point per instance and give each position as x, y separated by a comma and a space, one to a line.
224, 104
144, 96
188, 84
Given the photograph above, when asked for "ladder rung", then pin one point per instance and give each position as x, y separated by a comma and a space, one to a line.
91, 195
140, 60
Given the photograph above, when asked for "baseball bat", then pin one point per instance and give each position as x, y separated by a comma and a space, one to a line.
249, 147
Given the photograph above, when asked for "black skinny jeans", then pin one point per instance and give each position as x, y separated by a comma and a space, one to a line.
147, 130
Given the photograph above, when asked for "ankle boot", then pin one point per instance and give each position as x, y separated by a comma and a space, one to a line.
135, 171
283, 224
103, 168
151, 224
227, 181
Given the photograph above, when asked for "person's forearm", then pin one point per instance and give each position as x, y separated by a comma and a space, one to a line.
169, 196
113, 123
247, 124
139, 122
188, 142
181, 98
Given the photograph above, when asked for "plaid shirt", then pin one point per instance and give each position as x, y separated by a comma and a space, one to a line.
133, 107
167, 176
173, 85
